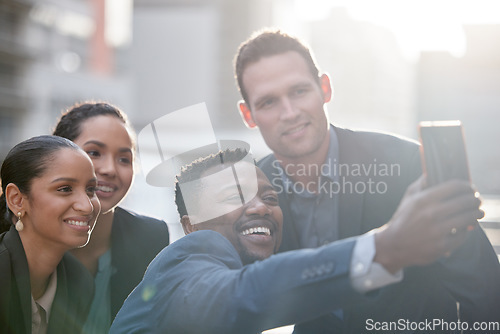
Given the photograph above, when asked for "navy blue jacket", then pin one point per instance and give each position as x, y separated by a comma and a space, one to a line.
198, 284
470, 276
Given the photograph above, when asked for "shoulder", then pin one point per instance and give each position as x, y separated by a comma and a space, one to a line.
181, 281
269, 165
371, 145
3, 248
5, 261
136, 240
11, 247
266, 161
13, 262
199, 246
202, 242
374, 139
129, 222
128, 216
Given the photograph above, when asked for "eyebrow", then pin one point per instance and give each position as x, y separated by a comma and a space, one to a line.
125, 150
70, 179
100, 144
65, 179
301, 84
261, 99
95, 142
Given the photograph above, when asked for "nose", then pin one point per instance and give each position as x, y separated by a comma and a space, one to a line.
288, 110
105, 166
83, 203
257, 207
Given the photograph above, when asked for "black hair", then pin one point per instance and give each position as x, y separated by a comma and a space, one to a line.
194, 171
70, 123
24, 162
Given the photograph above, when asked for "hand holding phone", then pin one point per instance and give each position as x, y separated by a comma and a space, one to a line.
443, 151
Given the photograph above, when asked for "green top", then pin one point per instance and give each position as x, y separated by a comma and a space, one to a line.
99, 318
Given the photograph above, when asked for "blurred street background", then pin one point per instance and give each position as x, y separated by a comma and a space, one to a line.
392, 64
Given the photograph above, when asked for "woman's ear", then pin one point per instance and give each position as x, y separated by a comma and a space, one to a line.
246, 114
15, 198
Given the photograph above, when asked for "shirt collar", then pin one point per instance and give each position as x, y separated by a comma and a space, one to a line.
46, 300
330, 161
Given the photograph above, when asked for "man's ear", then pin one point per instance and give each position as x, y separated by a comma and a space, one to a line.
187, 226
15, 198
246, 114
326, 87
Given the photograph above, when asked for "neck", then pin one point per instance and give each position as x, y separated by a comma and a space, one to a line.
99, 243
43, 259
306, 168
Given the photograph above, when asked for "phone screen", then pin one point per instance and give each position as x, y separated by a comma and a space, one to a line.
443, 151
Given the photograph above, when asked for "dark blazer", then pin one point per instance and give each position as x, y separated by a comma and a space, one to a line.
471, 275
199, 285
359, 212
135, 241
75, 289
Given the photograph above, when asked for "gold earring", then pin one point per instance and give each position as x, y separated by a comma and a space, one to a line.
19, 223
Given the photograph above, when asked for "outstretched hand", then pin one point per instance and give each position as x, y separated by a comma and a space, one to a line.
428, 224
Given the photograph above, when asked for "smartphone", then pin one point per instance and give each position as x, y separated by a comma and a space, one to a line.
443, 151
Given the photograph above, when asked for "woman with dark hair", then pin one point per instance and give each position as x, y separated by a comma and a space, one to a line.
48, 206
123, 243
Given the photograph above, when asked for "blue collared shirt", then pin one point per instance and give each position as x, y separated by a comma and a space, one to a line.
316, 220
316, 213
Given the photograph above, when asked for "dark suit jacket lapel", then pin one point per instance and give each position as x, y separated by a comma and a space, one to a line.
123, 253
21, 273
350, 202
60, 306
290, 238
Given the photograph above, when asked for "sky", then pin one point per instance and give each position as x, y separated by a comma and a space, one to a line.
419, 25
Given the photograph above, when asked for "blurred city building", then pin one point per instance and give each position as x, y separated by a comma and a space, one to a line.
54, 53
373, 83
153, 57
182, 55
468, 89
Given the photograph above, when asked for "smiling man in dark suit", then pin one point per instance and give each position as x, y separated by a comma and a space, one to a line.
222, 277
335, 183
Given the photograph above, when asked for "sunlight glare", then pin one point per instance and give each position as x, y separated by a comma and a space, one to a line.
418, 25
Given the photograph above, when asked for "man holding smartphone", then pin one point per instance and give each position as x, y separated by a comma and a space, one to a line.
335, 183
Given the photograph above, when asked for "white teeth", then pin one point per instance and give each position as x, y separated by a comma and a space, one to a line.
104, 189
259, 229
77, 223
